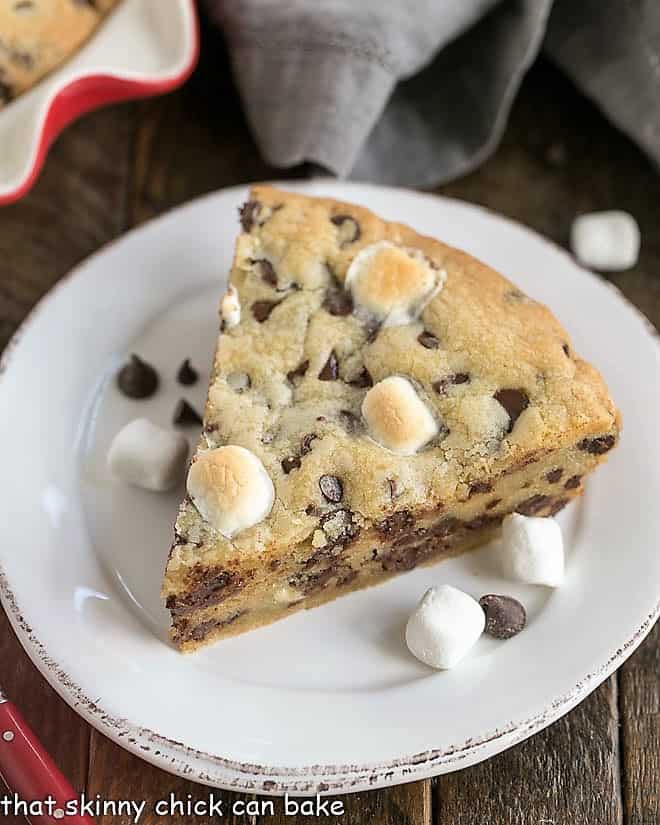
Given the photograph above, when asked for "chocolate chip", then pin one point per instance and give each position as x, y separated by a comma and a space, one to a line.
555, 475
372, 328
349, 228
292, 462
185, 415
514, 295
262, 309
338, 301
298, 372
351, 422
573, 483
248, 214
362, 380
186, 374
505, 617
567, 351
393, 488
330, 370
514, 402
332, 488
532, 505
484, 520
23, 5
558, 505
211, 427
395, 524
428, 340
479, 487
306, 443
493, 503
266, 271
137, 379
597, 446
444, 384
446, 527
6, 92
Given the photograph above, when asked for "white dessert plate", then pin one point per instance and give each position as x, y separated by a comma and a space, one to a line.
328, 700
143, 48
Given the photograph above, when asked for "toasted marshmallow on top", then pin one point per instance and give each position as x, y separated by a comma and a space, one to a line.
231, 489
230, 308
397, 417
393, 283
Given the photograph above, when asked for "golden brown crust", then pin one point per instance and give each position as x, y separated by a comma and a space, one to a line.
36, 36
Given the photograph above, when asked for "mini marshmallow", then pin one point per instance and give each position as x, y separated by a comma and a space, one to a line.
532, 550
397, 417
445, 625
230, 308
231, 489
392, 283
148, 456
608, 241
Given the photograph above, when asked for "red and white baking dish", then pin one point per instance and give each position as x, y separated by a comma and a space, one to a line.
144, 47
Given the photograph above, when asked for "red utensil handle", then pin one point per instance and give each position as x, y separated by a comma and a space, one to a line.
30, 772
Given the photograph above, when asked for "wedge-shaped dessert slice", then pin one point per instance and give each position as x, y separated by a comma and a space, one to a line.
379, 400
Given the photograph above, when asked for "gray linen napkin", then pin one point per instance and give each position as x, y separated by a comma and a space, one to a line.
417, 92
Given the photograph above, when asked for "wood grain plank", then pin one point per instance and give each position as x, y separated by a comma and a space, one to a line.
76, 206
403, 805
568, 773
639, 703
116, 775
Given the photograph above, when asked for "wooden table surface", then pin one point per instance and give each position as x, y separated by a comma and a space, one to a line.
599, 765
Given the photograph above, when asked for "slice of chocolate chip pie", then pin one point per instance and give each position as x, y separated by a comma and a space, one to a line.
379, 400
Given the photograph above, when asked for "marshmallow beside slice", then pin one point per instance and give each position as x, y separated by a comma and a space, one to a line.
392, 283
397, 417
444, 626
148, 456
230, 488
532, 550
608, 241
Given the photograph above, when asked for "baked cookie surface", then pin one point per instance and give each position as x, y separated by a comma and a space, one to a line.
401, 398
36, 36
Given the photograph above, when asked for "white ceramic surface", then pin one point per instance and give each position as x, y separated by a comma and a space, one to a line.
328, 699
146, 41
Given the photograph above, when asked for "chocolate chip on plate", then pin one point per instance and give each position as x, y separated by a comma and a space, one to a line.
137, 379
332, 488
185, 415
428, 340
186, 374
505, 616
573, 483
330, 370
514, 402
554, 475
